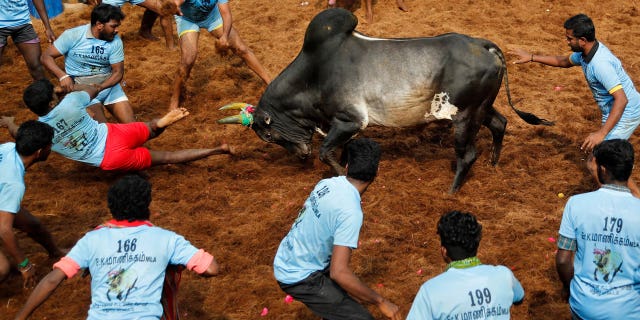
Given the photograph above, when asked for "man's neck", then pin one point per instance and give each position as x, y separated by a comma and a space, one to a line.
360, 185
587, 47
27, 161
95, 32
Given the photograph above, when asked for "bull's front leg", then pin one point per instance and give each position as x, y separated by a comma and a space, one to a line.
341, 132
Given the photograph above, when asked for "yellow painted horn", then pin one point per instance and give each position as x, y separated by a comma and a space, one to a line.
245, 117
235, 106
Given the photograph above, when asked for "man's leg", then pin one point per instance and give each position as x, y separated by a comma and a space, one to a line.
242, 50
122, 111
31, 54
146, 24
31, 225
186, 155
154, 9
167, 27
188, 53
326, 298
157, 126
368, 5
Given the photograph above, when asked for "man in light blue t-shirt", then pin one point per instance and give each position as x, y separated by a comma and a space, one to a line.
94, 54
15, 22
33, 144
127, 257
312, 262
215, 17
468, 289
612, 89
599, 242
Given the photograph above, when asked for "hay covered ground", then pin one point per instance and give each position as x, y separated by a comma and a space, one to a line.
239, 207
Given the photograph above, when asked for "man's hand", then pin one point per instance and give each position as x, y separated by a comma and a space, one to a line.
67, 84
389, 309
592, 140
523, 56
51, 37
28, 276
224, 41
6, 121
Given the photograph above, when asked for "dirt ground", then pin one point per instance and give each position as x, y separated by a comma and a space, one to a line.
239, 207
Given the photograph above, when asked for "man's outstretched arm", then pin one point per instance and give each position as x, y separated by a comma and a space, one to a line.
347, 280
41, 293
554, 61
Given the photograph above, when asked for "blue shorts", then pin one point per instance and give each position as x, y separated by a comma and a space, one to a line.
212, 22
623, 129
120, 3
110, 96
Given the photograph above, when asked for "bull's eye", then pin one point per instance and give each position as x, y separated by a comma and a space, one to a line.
268, 135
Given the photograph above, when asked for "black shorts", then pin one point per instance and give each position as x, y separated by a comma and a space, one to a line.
20, 34
326, 298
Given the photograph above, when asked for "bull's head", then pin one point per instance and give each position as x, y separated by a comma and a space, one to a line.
274, 128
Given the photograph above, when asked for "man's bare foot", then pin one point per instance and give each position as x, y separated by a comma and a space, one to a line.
225, 148
402, 6
146, 34
172, 116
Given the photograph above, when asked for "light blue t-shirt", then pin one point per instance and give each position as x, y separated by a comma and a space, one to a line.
11, 178
127, 268
480, 292
14, 13
76, 136
85, 55
198, 10
331, 216
603, 73
606, 276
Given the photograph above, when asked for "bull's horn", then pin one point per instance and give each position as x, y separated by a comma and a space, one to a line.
235, 106
245, 117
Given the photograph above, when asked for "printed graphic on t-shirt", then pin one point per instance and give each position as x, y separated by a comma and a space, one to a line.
608, 264
121, 283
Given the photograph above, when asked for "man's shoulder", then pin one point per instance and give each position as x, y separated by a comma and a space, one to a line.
76, 32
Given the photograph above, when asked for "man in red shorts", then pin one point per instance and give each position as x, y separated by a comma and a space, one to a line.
110, 146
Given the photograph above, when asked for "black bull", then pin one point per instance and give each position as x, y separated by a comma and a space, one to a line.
343, 81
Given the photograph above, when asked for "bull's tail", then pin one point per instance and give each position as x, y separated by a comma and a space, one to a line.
530, 118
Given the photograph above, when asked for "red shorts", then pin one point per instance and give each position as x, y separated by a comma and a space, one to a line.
123, 150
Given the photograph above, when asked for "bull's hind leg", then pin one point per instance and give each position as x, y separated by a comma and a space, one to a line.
497, 125
465, 134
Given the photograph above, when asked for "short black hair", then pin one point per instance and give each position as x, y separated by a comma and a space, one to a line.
460, 234
129, 198
104, 13
32, 136
616, 156
362, 157
38, 95
582, 26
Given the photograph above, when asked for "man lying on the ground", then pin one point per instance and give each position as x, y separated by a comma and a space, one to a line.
110, 146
